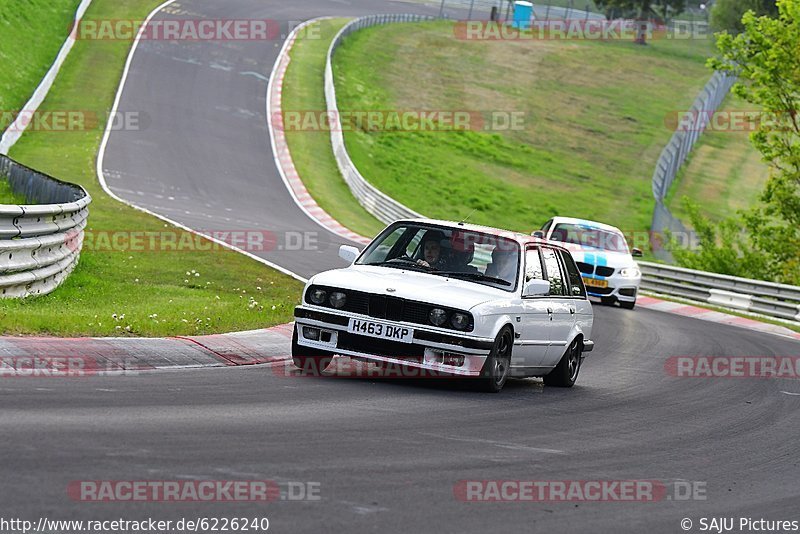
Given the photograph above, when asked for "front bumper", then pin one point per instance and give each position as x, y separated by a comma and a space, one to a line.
432, 349
619, 287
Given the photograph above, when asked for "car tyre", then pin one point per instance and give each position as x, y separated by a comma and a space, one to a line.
311, 361
566, 372
496, 368
627, 305
607, 301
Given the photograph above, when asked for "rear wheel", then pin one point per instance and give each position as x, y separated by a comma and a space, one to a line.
310, 361
497, 365
566, 372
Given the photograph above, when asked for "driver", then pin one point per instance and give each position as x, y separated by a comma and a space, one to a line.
432, 250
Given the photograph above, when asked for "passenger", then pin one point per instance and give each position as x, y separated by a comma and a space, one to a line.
461, 254
432, 255
504, 265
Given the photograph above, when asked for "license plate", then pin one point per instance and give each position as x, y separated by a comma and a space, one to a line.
381, 330
594, 282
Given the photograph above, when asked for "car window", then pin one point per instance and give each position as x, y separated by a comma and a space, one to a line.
588, 236
553, 272
400, 235
477, 257
533, 265
575, 281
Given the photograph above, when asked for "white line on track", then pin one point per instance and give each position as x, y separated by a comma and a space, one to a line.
104, 143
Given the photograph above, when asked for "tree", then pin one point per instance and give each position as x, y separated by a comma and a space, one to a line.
726, 15
724, 247
766, 57
642, 10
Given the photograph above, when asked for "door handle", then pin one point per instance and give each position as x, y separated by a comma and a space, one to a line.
571, 310
549, 311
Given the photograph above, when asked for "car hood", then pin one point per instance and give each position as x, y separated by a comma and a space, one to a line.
411, 285
593, 256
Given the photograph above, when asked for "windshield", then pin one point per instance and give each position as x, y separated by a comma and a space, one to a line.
474, 256
588, 236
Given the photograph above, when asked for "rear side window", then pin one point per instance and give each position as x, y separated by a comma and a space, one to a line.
533, 265
553, 270
575, 280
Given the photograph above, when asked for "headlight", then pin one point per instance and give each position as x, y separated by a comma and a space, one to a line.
460, 321
437, 316
337, 299
630, 272
317, 296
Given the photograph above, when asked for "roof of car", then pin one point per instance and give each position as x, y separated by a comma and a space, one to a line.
521, 238
586, 222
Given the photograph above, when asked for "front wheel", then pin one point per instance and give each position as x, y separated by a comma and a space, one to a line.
566, 372
627, 305
310, 361
497, 365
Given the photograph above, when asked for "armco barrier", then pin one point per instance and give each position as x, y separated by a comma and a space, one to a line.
39, 243
381, 206
780, 301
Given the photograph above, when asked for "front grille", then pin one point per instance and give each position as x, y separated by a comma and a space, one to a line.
604, 271
585, 268
380, 347
391, 308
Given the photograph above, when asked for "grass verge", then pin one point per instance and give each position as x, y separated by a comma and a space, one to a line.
724, 172
118, 291
304, 91
7, 196
595, 122
32, 34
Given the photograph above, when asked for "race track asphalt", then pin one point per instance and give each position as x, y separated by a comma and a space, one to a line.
387, 454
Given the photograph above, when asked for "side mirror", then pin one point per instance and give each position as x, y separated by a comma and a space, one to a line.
538, 233
348, 253
536, 287
636, 252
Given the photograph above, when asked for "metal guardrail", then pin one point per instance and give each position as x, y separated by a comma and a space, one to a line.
39, 243
780, 301
380, 205
675, 153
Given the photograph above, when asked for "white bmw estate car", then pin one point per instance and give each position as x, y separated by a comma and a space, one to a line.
453, 298
603, 257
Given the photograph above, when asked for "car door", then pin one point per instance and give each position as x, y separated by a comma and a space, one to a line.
578, 298
559, 306
534, 328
